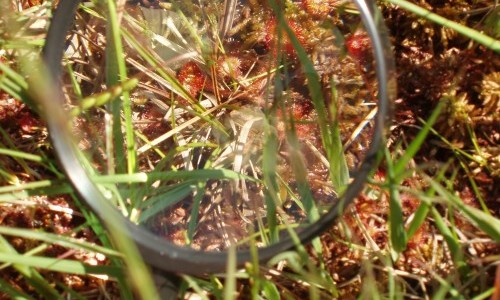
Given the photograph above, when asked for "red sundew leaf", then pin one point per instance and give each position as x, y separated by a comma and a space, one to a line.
358, 45
270, 38
192, 78
28, 123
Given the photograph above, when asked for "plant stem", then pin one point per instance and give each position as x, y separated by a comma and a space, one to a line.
473, 34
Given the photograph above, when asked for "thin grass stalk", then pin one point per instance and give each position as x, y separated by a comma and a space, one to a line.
7, 288
32, 276
230, 282
473, 34
115, 73
397, 231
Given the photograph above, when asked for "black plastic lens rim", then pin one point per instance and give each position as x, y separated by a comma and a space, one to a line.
156, 251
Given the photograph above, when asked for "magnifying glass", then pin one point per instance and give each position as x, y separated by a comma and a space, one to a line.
228, 124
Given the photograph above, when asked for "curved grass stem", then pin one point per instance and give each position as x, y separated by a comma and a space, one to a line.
473, 34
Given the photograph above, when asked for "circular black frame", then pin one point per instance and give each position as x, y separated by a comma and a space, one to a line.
158, 252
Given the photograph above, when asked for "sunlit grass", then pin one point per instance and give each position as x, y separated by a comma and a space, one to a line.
379, 275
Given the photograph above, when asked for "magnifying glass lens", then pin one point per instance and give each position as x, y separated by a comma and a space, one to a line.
227, 123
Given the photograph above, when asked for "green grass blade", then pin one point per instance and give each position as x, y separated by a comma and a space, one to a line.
402, 162
200, 174
195, 286
419, 217
13, 75
489, 224
451, 240
31, 275
21, 155
300, 171
471, 33
158, 203
13, 293
270, 291
397, 231
230, 283
58, 265
272, 190
105, 97
116, 71
329, 135
173, 84
195, 210
338, 168
57, 239
77, 89
423, 209
33, 186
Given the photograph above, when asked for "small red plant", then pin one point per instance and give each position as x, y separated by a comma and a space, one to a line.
27, 122
192, 78
229, 67
358, 46
270, 38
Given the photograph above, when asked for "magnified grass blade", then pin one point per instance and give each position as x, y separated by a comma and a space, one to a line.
337, 161
200, 174
158, 203
272, 192
105, 97
230, 282
193, 220
116, 72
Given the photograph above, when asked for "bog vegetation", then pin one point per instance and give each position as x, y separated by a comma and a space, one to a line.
205, 93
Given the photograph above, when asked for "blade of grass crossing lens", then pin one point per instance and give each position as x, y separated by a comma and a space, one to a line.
193, 220
77, 89
199, 174
328, 134
272, 192
105, 97
230, 282
339, 171
158, 203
